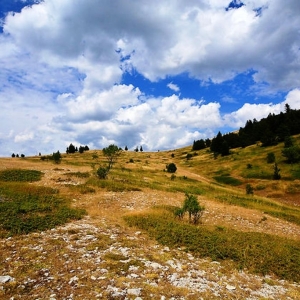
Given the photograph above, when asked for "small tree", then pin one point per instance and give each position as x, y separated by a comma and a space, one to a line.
194, 209
112, 152
249, 189
56, 157
171, 168
270, 157
276, 175
81, 149
292, 154
71, 149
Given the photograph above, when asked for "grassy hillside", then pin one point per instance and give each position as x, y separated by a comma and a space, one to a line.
258, 232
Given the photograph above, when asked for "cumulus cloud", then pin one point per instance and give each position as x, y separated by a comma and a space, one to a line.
62, 66
249, 111
199, 37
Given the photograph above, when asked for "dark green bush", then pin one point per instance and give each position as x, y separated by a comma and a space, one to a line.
102, 172
249, 189
171, 168
270, 157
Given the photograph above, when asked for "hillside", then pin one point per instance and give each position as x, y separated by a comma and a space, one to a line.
115, 251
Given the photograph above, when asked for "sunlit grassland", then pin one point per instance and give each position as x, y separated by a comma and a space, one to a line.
237, 164
255, 252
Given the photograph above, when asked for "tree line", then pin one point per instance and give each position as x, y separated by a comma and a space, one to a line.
268, 131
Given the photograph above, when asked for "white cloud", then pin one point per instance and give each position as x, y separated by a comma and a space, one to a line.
173, 87
258, 111
62, 65
293, 99
201, 38
24, 137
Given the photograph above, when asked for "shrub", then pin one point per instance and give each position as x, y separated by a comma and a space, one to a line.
179, 213
102, 172
189, 156
292, 154
171, 168
56, 157
192, 206
249, 189
95, 156
270, 157
276, 175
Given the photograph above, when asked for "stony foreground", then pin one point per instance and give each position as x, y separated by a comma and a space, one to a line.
92, 259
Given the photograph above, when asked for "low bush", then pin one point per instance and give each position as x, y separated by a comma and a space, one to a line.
171, 168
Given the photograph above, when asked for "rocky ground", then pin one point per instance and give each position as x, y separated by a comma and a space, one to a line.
84, 260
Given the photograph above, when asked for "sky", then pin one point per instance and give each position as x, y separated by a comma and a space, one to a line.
156, 74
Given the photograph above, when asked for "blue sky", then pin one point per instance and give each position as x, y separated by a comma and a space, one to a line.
157, 75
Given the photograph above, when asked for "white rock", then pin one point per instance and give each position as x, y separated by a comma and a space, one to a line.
230, 287
135, 292
73, 279
5, 279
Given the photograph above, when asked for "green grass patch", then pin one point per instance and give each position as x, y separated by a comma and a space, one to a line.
296, 172
257, 252
78, 174
20, 175
24, 209
227, 179
268, 207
